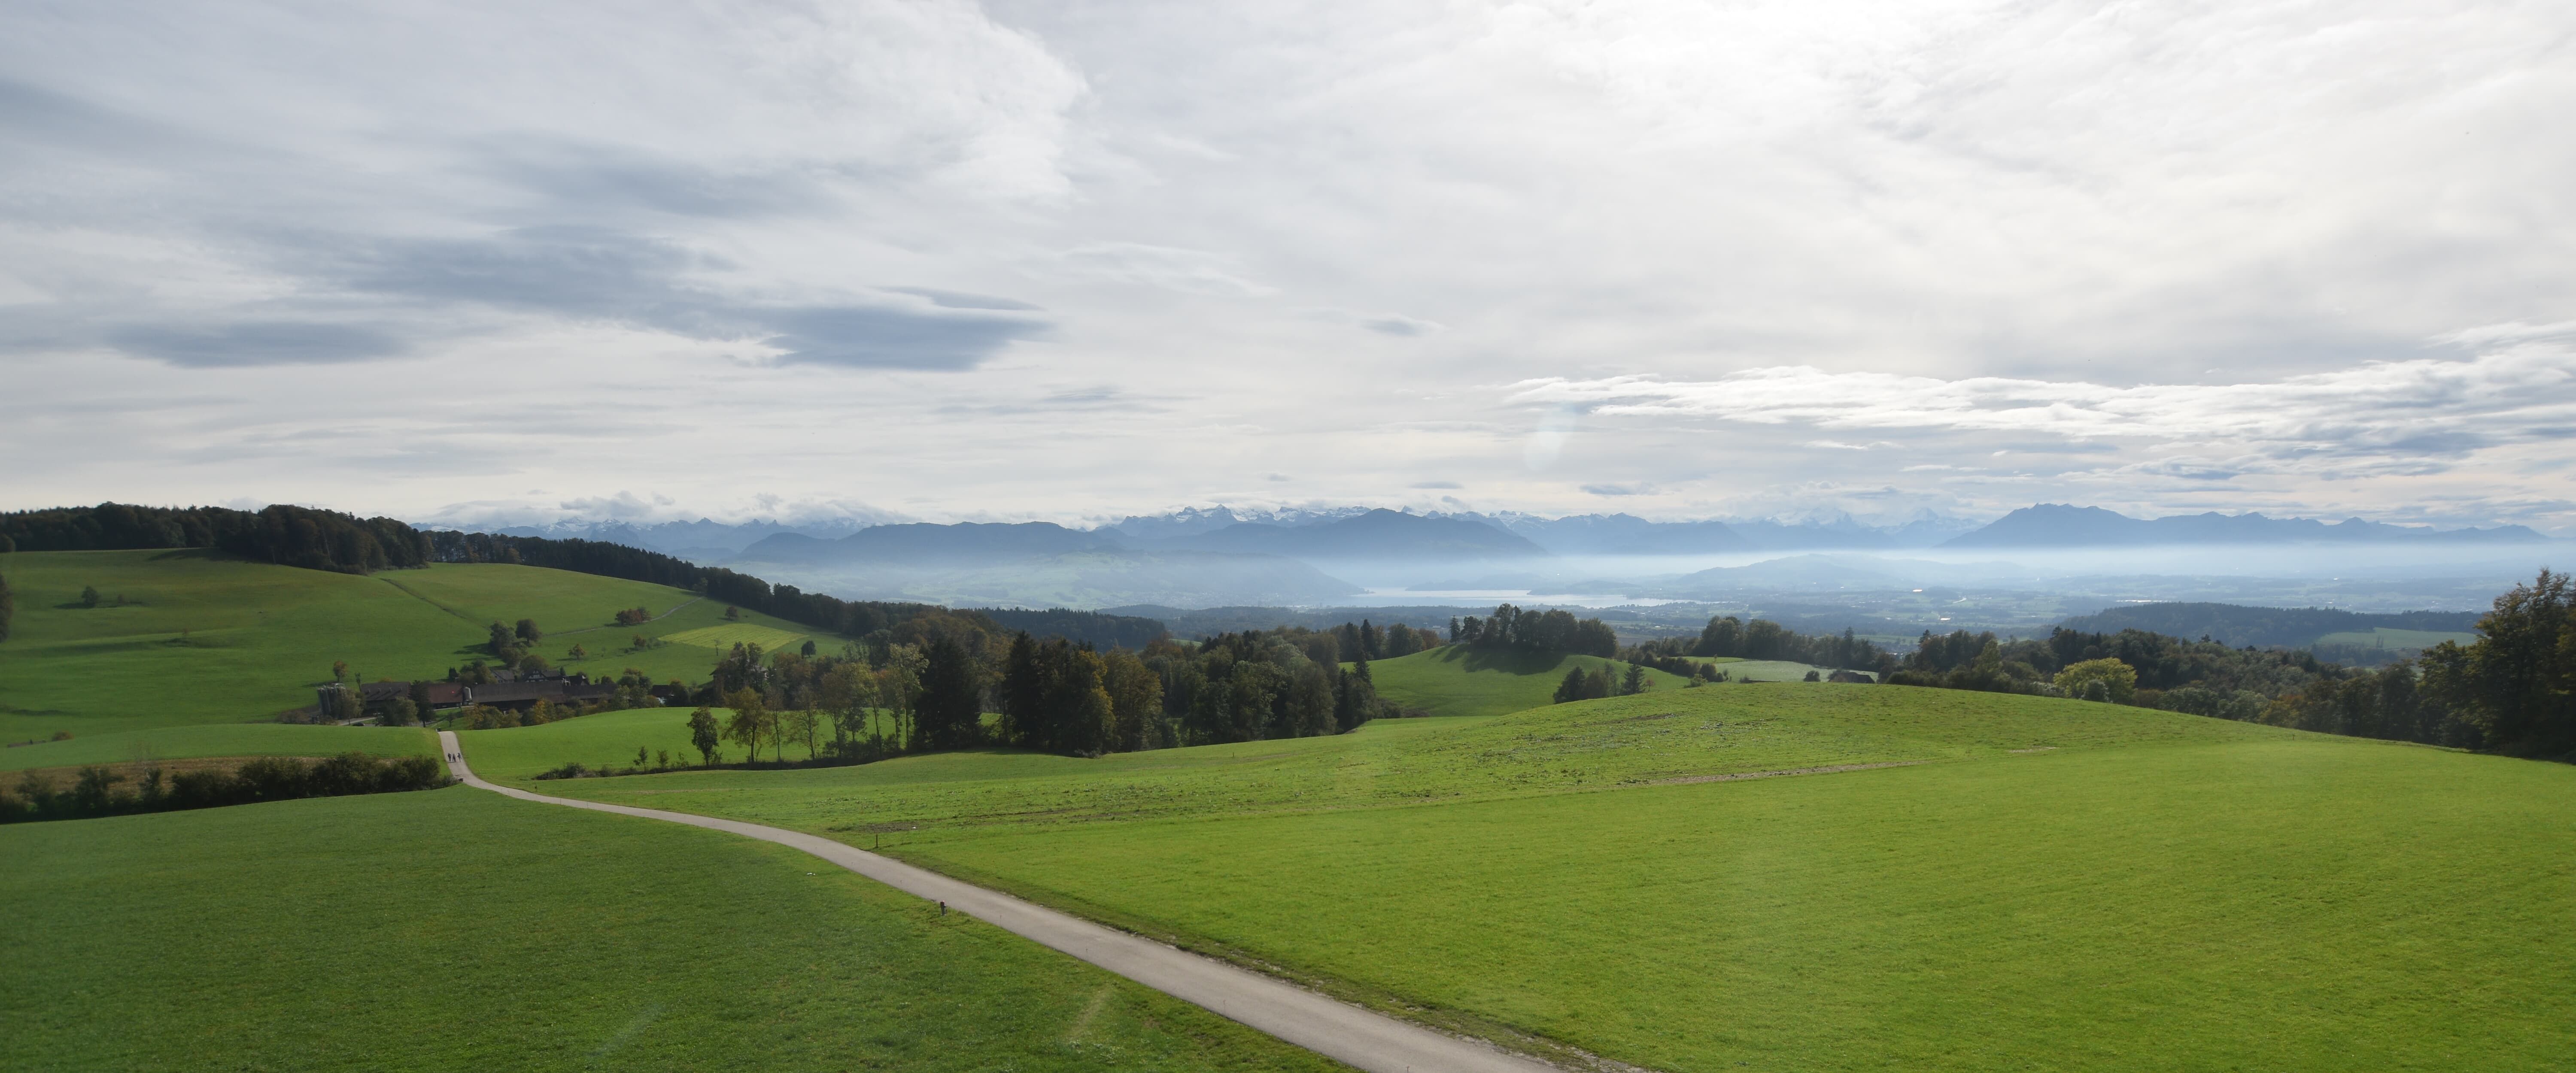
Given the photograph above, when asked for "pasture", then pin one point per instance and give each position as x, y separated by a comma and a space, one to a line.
2049, 883
456, 929
202, 638
1460, 680
2298, 904
2384, 637
1629, 741
723, 638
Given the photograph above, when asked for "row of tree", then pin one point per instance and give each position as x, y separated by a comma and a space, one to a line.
929, 685
98, 791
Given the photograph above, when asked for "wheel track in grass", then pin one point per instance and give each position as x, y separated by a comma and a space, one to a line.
1338, 1030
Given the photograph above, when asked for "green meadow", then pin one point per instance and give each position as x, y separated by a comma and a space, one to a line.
456, 929
1457, 680
1777, 875
1762, 670
206, 639
2045, 883
2384, 637
2269, 905
1656, 737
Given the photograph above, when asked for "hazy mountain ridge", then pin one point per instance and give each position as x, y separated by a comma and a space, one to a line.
2059, 525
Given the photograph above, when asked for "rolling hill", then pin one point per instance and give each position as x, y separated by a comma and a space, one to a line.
203, 638
455, 929
2055, 525
2266, 627
1702, 878
1459, 680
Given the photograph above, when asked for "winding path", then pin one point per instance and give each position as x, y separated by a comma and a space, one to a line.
1327, 1026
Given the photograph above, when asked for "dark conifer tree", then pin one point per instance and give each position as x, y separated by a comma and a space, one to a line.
950, 712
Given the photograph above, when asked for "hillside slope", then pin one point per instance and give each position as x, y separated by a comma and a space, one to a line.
1459, 680
454, 929
203, 638
2037, 883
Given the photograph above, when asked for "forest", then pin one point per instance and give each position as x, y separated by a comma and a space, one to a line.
281, 534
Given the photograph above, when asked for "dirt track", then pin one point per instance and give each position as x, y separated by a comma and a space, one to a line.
1327, 1026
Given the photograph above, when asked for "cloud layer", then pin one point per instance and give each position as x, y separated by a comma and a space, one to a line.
1031, 260
2412, 417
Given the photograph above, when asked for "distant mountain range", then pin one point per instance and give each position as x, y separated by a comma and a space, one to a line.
2054, 525
1377, 535
700, 540
922, 543
1223, 555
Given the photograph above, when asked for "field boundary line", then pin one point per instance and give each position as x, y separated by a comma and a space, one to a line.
1338, 1030
1743, 775
657, 618
417, 595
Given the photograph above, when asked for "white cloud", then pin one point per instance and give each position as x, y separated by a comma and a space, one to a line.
1055, 260
1187, 271
2392, 415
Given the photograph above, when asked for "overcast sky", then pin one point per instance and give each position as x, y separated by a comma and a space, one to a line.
486, 261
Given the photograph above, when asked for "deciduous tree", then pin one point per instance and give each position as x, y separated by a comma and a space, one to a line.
750, 724
703, 735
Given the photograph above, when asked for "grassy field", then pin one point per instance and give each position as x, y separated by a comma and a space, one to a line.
2056, 885
609, 740
220, 739
2263, 905
2383, 637
455, 929
723, 638
1629, 741
1458, 680
205, 639
1762, 670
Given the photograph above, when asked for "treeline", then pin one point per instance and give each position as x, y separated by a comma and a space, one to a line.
1081, 627
2512, 691
852, 618
281, 534
98, 791
1536, 631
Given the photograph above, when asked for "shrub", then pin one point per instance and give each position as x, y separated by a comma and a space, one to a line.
263, 779
2100, 679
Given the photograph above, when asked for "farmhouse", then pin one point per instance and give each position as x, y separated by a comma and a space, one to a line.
516, 695
519, 696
